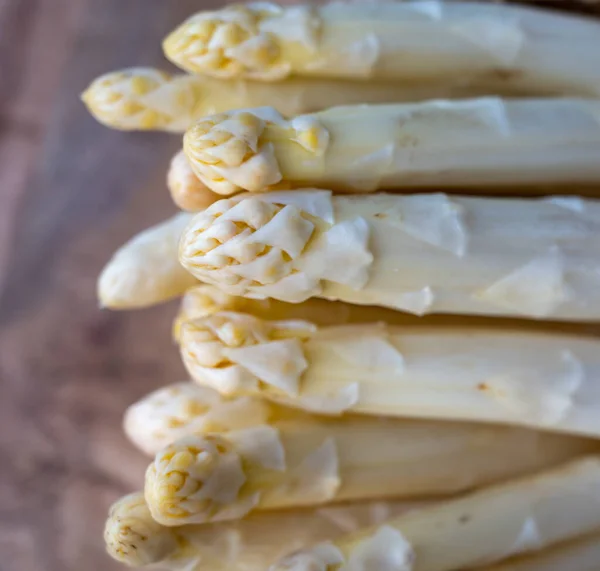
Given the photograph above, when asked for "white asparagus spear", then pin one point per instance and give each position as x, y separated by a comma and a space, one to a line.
144, 98
187, 190
421, 254
538, 379
145, 270
407, 41
487, 526
249, 544
203, 300
582, 554
472, 143
296, 460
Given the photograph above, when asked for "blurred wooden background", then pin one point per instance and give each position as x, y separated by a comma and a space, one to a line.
71, 191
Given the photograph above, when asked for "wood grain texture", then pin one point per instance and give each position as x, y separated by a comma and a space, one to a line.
71, 192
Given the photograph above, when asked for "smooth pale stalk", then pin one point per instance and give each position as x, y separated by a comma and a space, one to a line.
291, 460
507, 144
144, 98
187, 190
249, 544
540, 379
488, 526
579, 555
409, 41
145, 270
203, 300
535, 258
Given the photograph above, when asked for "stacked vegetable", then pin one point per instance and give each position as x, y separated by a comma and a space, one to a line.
389, 278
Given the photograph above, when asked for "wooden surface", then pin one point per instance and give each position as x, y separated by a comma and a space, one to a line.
71, 191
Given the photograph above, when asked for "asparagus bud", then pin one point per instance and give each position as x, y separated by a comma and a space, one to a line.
436, 144
274, 350
143, 98
202, 478
145, 270
407, 41
133, 537
181, 409
422, 254
187, 191
485, 527
235, 150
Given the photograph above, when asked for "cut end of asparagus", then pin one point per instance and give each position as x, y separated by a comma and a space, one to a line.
228, 43
194, 479
170, 413
133, 537
238, 353
187, 190
199, 302
231, 151
121, 99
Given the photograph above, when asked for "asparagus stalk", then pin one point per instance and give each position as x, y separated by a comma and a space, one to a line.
485, 527
150, 99
538, 379
407, 41
145, 271
249, 544
187, 190
291, 459
422, 254
502, 143
203, 300
582, 554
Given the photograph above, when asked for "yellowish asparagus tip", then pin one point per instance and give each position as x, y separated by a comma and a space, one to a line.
232, 151
133, 537
242, 244
190, 480
117, 99
187, 190
237, 353
227, 154
201, 301
226, 44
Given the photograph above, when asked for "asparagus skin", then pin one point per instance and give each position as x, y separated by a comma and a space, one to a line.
533, 258
505, 144
409, 41
488, 526
582, 554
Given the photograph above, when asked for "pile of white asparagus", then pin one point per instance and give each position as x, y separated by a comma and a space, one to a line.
389, 265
